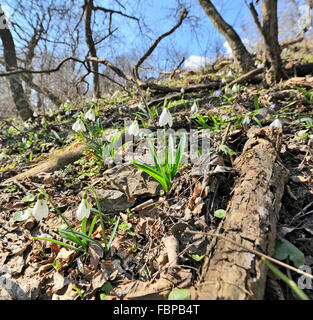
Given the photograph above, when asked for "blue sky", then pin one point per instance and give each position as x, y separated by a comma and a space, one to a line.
196, 37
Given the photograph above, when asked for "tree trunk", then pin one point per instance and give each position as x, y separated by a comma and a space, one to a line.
30, 54
270, 38
88, 7
42, 90
22, 106
240, 53
230, 272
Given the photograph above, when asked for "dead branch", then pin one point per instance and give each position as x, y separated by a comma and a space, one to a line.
111, 12
107, 63
194, 88
255, 16
177, 68
230, 273
57, 68
183, 15
247, 76
288, 43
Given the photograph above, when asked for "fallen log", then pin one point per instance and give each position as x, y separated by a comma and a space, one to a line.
56, 161
193, 88
230, 272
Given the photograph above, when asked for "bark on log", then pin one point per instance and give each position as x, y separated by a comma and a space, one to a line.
229, 272
56, 161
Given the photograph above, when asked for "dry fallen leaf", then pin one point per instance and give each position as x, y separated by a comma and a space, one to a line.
96, 253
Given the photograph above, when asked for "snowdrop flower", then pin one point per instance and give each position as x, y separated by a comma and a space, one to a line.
79, 126
134, 128
40, 209
165, 118
194, 108
276, 124
90, 114
182, 90
246, 122
35, 114
229, 74
83, 209
228, 91
258, 64
235, 88
223, 80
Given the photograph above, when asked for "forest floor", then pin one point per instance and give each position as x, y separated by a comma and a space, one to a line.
135, 203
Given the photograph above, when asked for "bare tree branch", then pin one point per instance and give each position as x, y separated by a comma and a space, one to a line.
57, 68
255, 16
114, 11
183, 15
107, 63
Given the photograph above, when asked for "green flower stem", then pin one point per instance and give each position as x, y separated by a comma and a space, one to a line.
60, 214
55, 208
290, 283
100, 214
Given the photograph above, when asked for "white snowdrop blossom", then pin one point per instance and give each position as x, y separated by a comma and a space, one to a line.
79, 126
194, 108
165, 118
90, 114
258, 64
228, 91
246, 122
40, 209
223, 80
35, 114
229, 74
235, 88
83, 209
134, 128
276, 124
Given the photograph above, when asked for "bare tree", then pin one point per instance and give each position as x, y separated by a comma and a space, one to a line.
269, 33
240, 53
10, 60
88, 9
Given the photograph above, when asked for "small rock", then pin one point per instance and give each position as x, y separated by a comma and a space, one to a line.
113, 200
137, 182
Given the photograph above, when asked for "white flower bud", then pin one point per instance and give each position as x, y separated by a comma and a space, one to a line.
194, 108
83, 210
90, 114
134, 128
276, 123
79, 126
165, 118
40, 210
